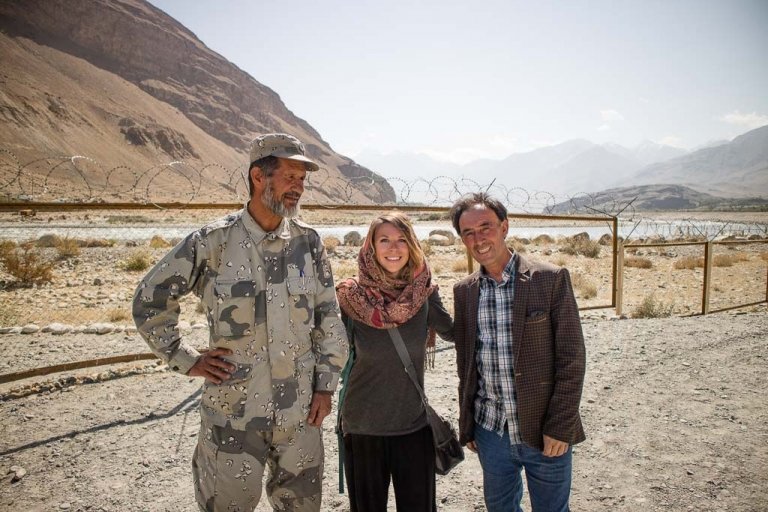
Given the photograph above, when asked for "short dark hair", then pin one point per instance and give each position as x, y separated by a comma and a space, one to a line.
267, 165
478, 198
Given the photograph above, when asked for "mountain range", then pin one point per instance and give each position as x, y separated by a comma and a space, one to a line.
728, 169
132, 90
126, 85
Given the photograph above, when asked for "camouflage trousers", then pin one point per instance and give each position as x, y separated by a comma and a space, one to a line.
228, 466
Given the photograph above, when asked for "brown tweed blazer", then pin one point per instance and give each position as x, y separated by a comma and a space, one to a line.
549, 353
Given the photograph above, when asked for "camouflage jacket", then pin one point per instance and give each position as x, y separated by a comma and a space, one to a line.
270, 298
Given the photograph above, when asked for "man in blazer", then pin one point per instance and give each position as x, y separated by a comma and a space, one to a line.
521, 359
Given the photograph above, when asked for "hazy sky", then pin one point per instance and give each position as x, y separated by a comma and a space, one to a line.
460, 80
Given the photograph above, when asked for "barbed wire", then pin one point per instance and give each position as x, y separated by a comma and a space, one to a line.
82, 179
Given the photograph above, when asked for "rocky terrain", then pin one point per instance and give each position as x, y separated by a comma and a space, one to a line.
673, 407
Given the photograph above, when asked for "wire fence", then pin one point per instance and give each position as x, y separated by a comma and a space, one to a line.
113, 220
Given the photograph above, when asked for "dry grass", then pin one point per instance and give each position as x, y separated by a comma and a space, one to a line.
460, 265
426, 247
638, 262
516, 244
331, 243
137, 261
689, 262
729, 260
585, 287
27, 265
159, 242
343, 269
650, 307
583, 247
67, 248
118, 315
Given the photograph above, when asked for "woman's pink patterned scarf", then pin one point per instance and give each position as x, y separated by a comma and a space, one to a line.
375, 299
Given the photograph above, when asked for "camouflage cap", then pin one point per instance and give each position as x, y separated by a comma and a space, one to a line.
280, 145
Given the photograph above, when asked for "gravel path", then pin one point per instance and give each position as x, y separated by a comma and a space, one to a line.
674, 412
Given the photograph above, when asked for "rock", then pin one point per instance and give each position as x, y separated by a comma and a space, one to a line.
98, 281
444, 232
353, 238
183, 325
578, 237
30, 329
606, 239
103, 328
18, 473
57, 328
439, 240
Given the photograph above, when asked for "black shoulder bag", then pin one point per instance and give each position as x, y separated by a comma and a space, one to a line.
448, 450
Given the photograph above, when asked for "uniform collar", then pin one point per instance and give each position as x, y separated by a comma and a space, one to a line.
258, 234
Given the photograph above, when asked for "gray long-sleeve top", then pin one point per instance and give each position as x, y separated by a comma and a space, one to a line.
381, 399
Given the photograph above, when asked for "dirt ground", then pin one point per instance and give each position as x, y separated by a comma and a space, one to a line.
673, 407
674, 410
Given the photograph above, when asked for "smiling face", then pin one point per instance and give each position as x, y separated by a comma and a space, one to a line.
483, 234
391, 248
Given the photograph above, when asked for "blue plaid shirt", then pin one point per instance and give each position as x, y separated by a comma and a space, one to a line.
496, 402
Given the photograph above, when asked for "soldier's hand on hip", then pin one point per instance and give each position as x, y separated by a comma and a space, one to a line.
319, 408
212, 367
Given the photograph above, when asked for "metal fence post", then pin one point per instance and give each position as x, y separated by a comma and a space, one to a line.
708, 255
618, 272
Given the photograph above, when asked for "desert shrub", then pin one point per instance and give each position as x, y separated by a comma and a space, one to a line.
584, 247
689, 262
560, 260
48, 240
6, 246
729, 260
586, 288
650, 307
426, 246
136, 262
460, 265
638, 262
331, 243
27, 265
118, 315
158, 242
67, 248
344, 269
515, 244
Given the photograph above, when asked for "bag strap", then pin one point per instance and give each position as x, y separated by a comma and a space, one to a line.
397, 340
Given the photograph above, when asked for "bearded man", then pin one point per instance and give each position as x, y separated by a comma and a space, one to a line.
276, 343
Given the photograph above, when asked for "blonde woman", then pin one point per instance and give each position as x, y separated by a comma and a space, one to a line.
386, 436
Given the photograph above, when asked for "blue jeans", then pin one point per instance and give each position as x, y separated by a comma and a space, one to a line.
549, 478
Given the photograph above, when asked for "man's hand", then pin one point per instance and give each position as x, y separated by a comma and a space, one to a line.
553, 447
472, 446
319, 408
211, 366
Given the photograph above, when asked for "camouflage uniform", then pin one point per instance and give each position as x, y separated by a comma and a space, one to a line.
270, 298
